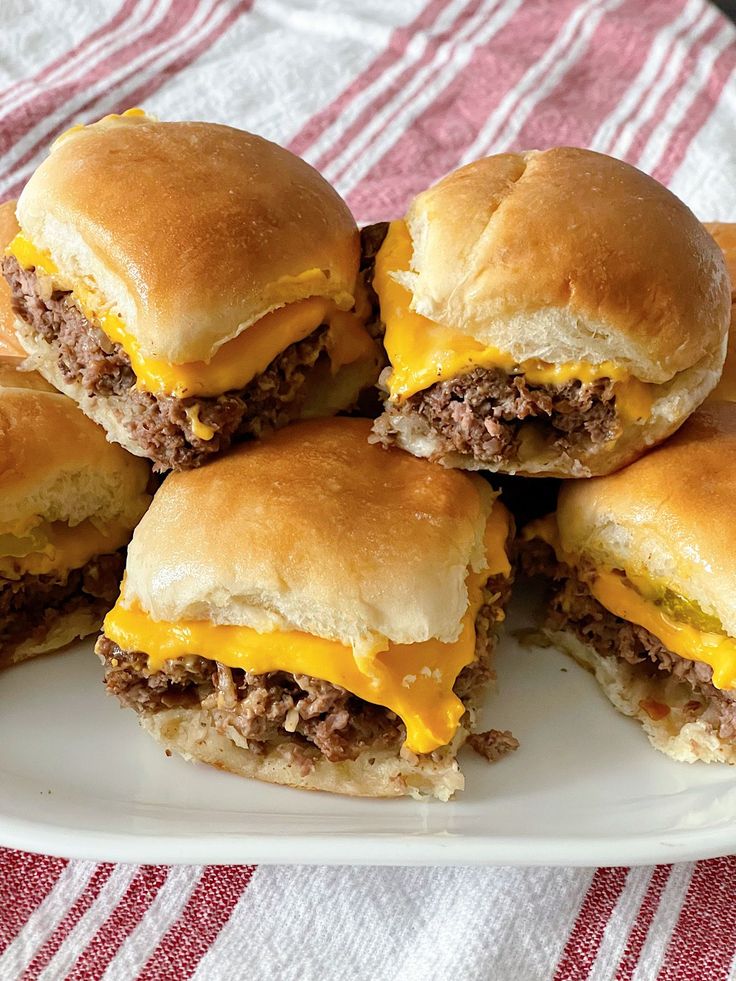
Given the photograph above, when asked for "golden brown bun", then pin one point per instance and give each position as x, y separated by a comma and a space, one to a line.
568, 255
8, 230
314, 529
375, 772
629, 688
191, 231
725, 235
56, 463
669, 516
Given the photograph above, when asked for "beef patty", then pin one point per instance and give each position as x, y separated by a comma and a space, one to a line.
320, 719
30, 605
161, 425
573, 607
483, 414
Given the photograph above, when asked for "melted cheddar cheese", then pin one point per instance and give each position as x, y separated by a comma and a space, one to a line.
422, 352
56, 547
716, 650
234, 364
413, 680
622, 599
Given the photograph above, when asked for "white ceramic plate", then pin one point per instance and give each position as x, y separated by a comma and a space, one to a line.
78, 778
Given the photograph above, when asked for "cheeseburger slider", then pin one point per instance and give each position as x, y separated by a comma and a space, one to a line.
187, 283
725, 235
643, 565
326, 620
68, 504
550, 312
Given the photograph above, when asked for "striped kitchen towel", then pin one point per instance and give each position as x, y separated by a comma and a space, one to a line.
383, 96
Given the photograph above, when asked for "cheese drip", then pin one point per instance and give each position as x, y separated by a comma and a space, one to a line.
234, 364
413, 680
620, 597
422, 352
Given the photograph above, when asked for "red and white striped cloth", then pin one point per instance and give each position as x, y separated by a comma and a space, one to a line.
383, 97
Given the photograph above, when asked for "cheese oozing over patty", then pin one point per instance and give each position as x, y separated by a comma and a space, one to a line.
623, 594
422, 352
233, 365
413, 680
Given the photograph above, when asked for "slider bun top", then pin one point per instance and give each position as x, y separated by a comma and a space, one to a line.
56, 463
314, 529
9, 346
190, 231
569, 255
668, 517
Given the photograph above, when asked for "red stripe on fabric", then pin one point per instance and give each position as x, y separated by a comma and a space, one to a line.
126, 916
186, 58
397, 45
697, 115
396, 87
673, 91
640, 930
586, 935
680, 37
25, 881
107, 28
437, 138
703, 942
75, 913
621, 44
173, 25
20, 121
214, 898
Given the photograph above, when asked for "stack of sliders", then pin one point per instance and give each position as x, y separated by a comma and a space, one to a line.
326, 621
188, 284
325, 617
69, 501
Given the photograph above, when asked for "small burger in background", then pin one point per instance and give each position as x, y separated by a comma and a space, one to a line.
547, 313
324, 618
69, 501
642, 568
188, 284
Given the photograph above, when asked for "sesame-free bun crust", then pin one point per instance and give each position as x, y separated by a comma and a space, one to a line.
9, 345
191, 231
374, 773
725, 235
56, 463
677, 734
669, 516
569, 255
314, 529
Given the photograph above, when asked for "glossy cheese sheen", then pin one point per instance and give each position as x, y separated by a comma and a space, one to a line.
65, 548
238, 361
716, 650
413, 680
423, 352
621, 599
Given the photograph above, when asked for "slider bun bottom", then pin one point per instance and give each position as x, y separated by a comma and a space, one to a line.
63, 630
676, 735
375, 773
